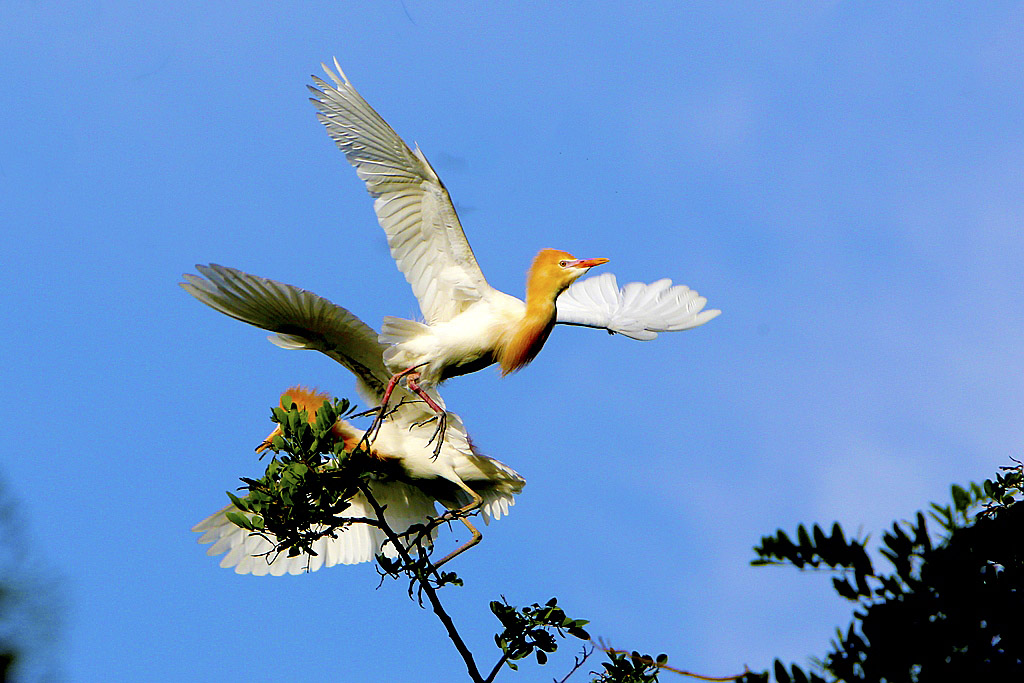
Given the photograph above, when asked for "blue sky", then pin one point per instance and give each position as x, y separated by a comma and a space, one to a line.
844, 180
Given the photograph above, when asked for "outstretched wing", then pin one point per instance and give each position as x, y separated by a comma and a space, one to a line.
412, 204
250, 553
301, 319
637, 310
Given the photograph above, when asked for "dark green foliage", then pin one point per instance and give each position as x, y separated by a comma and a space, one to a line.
626, 667
529, 630
949, 611
305, 489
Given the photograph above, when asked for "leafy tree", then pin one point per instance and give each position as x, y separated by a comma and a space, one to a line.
949, 609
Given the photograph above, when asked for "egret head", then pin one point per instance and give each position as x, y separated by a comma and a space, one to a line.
553, 271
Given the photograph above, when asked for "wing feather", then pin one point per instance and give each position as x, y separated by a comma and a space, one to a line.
249, 553
637, 310
301, 319
411, 202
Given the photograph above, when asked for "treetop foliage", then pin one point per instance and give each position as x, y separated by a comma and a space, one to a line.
945, 610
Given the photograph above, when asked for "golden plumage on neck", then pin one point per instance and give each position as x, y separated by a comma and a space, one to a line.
547, 278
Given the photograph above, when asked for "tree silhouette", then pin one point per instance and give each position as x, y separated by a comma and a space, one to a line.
950, 609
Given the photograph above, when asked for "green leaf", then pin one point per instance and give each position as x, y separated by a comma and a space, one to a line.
819, 537
239, 502
803, 538
239, 520
961, 499
578, 633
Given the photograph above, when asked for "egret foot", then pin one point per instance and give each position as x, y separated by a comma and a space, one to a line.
442, 415
460, 515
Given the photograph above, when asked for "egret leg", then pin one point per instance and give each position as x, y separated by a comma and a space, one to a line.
460, 514
370, 433
465, 546
442, 416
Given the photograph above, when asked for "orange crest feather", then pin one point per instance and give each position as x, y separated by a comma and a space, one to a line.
311, 400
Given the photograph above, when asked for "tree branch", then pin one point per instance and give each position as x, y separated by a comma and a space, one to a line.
579, 662
435, 602
497, 668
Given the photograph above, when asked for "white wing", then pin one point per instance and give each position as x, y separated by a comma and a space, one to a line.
301, 319
412, 204
499, 488
249, 553
637, 310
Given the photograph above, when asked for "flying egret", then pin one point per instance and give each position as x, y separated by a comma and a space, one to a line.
457, 476
469, 325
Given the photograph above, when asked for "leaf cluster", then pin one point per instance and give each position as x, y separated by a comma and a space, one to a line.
1002, 492
531, 630
306, 487
817, 548
631, 667
948, 610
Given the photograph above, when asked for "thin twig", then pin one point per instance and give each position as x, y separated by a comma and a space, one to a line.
579, 663
435, 602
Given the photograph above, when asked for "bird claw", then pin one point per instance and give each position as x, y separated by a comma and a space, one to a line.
370, 411
438, 435
416, 425
370, 434
442, 425
382, 414
451, 516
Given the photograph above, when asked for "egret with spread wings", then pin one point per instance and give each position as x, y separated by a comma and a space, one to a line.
469, 325
411, 478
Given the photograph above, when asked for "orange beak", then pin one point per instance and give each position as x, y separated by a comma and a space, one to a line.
587, 262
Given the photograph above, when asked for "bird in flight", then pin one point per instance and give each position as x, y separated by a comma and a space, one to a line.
410, 479
469, 325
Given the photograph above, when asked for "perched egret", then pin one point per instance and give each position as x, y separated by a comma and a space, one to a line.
411, 479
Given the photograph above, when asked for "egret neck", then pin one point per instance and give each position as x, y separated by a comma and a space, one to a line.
551, 273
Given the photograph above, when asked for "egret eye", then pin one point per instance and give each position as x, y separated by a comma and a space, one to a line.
563, 264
